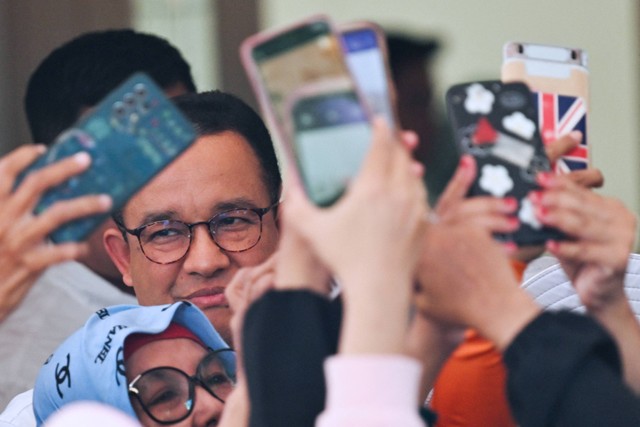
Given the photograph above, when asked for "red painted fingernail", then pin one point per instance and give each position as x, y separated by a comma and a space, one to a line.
576, 135
465, 161
535, 197
545, 178
510, 203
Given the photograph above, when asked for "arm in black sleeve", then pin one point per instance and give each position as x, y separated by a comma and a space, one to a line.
564, 370
286, 337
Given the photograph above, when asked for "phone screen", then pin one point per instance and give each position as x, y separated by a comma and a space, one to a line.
314, 102
368, 66
331, 137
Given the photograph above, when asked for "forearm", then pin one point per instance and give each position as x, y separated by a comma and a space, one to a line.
516, 311
620, 321
375, 315
564, 370
431, 345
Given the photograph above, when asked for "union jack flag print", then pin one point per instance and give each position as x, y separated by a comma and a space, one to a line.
557, 116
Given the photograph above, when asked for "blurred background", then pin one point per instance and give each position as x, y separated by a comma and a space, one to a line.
466, 38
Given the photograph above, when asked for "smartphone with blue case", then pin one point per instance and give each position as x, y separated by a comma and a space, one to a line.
131, 135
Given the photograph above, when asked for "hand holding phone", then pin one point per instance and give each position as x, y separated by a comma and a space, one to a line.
131, 135
496, 123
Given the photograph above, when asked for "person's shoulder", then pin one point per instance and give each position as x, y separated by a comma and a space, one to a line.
19, 412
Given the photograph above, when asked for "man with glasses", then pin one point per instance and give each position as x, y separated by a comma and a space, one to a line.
208, 214
163, 365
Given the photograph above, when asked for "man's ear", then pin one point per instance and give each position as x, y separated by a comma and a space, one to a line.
118, 249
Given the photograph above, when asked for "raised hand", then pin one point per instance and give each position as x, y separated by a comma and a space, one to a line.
24, 251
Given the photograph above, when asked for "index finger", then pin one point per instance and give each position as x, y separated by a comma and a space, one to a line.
458, 186
15, 162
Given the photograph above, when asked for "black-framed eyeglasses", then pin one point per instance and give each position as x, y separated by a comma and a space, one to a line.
168, 241
167, 394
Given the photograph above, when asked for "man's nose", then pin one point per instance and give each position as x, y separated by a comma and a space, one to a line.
204, 257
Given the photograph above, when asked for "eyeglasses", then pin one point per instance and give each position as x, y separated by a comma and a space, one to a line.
168, 241
167, 394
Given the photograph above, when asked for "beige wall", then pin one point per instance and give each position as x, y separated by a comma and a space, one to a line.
29, 30
473, 32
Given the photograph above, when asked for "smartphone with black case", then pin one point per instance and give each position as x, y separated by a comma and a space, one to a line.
130, 135
496, 123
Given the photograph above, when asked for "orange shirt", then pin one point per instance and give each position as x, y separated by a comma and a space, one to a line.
470, 389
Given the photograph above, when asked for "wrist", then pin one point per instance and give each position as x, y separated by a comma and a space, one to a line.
514, 314
374, 323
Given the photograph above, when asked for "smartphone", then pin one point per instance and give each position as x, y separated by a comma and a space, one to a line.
365, 50
130, 135
288, 64
558, 77
331, 134
496, 123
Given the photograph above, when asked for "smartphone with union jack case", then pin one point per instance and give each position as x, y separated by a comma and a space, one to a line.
496, 123
558, 78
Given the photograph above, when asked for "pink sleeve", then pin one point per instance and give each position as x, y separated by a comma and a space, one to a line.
371, 390
81, 414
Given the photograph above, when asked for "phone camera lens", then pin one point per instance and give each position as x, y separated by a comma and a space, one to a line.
129, 99
119, 109
140, 90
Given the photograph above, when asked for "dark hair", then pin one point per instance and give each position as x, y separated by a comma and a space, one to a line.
81, 72
216, 112
403, 47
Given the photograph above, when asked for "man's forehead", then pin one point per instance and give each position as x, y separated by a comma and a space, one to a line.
154, 213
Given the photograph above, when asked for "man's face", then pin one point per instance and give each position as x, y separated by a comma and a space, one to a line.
217, 173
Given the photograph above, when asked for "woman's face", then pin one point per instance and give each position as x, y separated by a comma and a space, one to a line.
185, 355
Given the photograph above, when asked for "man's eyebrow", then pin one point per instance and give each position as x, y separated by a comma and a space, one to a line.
237, 203
157, 216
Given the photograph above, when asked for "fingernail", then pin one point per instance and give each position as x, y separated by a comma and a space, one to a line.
105, 201
465, 162
82, 158
510, 203
514, 222
545, 178
40, 148
576, 135
541, 212
535, 197
510, 247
